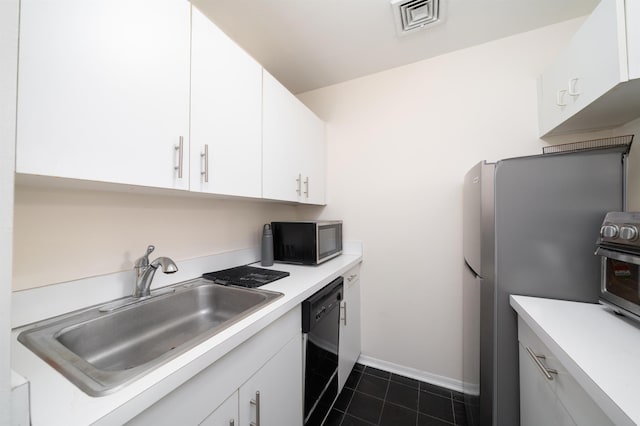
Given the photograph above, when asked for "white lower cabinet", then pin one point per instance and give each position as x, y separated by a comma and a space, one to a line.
349, 348
538, 402
273, 396
549, 395
225, 415
225, 392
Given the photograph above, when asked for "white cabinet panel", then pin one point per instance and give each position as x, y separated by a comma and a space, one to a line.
226, 113
281, 175
293, 151
558, 400
313, 160
633, 37
588, 87
277, 350
350, 341
538, 402
104, 90
275, 392
225, 415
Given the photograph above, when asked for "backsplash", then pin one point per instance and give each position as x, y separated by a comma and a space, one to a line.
64, 234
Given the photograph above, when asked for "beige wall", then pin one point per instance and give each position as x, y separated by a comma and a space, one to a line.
64, 234
400, 143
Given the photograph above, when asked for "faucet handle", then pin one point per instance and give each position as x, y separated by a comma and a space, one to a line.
143, 261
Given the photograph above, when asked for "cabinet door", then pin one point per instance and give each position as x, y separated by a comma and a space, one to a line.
538, 402
226, 113
103, 90
313, 157
274, 393
293, 147
281, 146
593, 63
349, 349
225, 415
633, 38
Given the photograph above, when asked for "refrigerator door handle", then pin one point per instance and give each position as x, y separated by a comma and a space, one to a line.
475, 274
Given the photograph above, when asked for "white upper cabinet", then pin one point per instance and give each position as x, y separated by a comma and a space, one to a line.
226, 114
103, 90
593, 83
294, 147
313, 160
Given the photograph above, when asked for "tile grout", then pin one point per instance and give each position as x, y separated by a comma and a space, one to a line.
350, 399
385, 402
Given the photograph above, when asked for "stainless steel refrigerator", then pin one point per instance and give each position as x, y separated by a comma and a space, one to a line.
530, 226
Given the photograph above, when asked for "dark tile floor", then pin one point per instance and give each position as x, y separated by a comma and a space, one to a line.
376, 397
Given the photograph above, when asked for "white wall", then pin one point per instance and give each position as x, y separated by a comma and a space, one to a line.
64, 234
8, 78
399, 144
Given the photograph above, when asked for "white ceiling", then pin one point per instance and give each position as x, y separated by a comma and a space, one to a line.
308, 44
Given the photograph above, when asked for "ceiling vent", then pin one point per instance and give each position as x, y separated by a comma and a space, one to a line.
414, 15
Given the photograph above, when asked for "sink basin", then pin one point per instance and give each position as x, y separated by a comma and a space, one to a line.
100, 349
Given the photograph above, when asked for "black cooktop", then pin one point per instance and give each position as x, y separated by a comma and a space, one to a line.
245, 276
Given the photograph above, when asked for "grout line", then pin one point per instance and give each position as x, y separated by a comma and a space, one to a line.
384, 400
453, 411
418, 406
362, 420
352, 395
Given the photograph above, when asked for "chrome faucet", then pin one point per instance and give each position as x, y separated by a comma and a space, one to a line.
145, 271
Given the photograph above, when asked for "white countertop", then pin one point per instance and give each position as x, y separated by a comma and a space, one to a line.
56, 401
600, 349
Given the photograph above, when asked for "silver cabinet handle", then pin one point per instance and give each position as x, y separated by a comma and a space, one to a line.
344, 310
306, 183
256, 402
560, 97
205, 157
536, 358
572, 87
352, 277
180, 150
299, 181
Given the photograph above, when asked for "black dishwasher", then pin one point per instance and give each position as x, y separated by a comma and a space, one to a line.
320, 328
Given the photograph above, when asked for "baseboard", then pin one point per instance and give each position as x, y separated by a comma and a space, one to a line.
424, 376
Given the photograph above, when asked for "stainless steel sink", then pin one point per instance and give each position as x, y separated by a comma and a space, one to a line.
102, 348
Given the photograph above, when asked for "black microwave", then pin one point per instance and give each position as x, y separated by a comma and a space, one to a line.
306, 243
